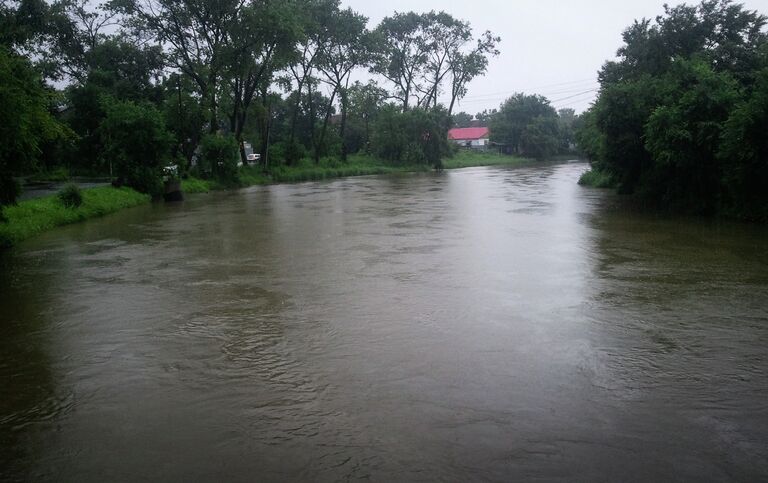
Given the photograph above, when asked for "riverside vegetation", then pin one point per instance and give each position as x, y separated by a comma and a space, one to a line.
680, 120
28, 218
148, 85
143, 86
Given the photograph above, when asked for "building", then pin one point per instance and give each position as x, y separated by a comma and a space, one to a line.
470, 137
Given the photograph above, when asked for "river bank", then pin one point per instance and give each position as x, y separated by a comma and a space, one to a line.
32, 217
357, 165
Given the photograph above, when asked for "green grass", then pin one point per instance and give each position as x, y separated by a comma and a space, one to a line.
356, 165
28, 218
596, 179
304, 170
197, 185
468, 159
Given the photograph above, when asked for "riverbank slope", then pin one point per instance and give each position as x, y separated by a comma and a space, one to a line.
31, 217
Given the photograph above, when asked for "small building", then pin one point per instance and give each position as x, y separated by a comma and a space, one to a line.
470, 137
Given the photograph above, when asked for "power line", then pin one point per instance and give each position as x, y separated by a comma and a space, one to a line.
577, 99
571, 97
545, 93
582, 81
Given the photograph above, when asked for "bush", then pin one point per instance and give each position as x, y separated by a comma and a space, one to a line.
219, 155
411, 137
26, 123
137, 143
71, 196
30, 217
596, 179
293, 152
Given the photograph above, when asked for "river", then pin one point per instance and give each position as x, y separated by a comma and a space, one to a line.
484, 324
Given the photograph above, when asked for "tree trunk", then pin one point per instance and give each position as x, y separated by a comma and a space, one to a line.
343, 126
264, 150
311, 115
295, 116
214, 120
319, 145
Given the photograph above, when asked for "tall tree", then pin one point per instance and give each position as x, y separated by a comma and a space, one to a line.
76, 28
25, 121
527, 124
402, 50
445, 36
365, 102
664, 105
314, 16
197, 34
465, 66
262, 43
347, 46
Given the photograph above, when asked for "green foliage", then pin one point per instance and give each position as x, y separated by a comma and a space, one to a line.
680, 118
25, 121
136, 142
184, 117
356, 165
461, 119
682, 137
567, 121
71, 196
219, 156
196, 185
28, 218
589, 138
744, 155
540, 138
23, 24
596, 179
468, 158
85, 114
527, 125
410, 137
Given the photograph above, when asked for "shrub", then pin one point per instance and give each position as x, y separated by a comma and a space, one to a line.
596, 179
26, 123
411, 137
71, 196
219, 155
293, 152
137, 143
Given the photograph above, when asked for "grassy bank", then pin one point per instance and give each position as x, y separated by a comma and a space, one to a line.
31, 217
468, 159
356, 165
28, 218
596, 179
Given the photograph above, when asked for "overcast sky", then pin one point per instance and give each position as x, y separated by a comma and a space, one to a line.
548, 47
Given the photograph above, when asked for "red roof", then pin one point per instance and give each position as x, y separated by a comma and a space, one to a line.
467, 133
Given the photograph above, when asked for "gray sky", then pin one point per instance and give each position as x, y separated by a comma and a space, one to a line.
548, 47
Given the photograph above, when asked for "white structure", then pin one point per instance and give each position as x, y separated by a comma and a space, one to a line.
470, 137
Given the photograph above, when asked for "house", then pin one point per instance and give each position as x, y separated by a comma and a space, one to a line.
470, 137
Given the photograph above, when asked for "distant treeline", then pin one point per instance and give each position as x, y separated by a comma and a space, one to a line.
681, 120
526, 125
141, 84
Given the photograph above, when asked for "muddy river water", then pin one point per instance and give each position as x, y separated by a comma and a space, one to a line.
485, 324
